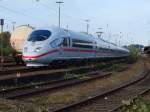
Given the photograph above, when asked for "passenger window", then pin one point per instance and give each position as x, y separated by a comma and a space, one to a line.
59, 42
56, 43
82, 44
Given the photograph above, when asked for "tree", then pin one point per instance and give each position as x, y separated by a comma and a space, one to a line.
5, 41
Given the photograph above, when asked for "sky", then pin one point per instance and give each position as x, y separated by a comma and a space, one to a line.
122, 21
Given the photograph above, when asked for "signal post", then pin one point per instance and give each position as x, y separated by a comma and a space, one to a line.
2, 59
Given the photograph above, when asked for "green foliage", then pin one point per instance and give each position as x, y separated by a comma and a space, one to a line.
134, 54
118, 67
5, 41
73, 75
137, 105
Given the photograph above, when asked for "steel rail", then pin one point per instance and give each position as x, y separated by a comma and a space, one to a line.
48, 86
116, 109
83, 102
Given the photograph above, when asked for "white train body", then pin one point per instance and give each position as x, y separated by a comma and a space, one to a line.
44, 46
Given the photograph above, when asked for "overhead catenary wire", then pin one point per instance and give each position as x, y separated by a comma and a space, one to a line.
80, 22
55, 11
67, 14
20, 13
50, 12
47, 7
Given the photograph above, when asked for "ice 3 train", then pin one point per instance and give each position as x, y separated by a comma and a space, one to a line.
47, 45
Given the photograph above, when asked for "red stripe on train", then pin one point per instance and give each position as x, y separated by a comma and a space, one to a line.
50, 52
56, 50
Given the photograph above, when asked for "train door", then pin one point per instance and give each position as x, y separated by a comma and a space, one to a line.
56, 44
63, 46
95, 48
68, 48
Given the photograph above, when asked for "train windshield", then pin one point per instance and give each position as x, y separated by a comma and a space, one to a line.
39, 35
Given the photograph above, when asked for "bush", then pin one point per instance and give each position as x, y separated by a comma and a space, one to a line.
137, 105
134, 55
8, 51
6, 48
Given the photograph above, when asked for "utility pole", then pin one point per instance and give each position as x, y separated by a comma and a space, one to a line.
13, 23
2, 24
99, 33
67, 27
87, 21
59, 2
120, 39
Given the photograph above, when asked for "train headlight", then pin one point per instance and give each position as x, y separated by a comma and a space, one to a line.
37, 49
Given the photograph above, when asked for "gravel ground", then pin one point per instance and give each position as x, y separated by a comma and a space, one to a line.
69, 95
78, 92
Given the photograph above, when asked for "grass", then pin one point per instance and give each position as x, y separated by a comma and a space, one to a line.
77, 76
117, 67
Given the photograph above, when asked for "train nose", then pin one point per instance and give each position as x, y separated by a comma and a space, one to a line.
32, 49
28, 54
28, 59
25, 50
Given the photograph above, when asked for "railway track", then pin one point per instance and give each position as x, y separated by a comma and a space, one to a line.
142, 93
10, 64
20, 68
47, 71
24, 91
39, 88
8, 59
110, 99
33, 72
146, 90
13, 69
24, 69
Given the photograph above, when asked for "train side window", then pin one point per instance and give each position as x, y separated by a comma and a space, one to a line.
82, 44
96, 47
102, 49
56, 43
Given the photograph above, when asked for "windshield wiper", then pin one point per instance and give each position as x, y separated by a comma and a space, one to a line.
43, 36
